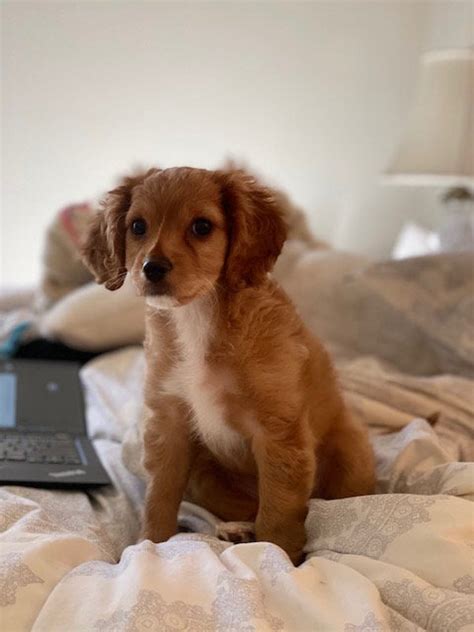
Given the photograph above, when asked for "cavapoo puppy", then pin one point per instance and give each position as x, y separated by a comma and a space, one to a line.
245, 417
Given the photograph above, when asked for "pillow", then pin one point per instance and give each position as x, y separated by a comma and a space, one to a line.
417, 313
92, 318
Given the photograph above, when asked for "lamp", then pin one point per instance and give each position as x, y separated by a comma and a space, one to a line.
438, 145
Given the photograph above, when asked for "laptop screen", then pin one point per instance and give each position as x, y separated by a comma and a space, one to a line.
40, 396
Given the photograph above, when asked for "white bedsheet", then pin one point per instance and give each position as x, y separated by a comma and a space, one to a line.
398, 560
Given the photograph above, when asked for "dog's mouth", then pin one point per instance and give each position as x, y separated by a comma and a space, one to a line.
163, 301
160, 288
163, 295
159, 295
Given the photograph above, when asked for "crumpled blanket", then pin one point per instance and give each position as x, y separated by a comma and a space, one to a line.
398, 560
386, 400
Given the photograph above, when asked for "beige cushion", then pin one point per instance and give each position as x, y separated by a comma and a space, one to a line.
94, 319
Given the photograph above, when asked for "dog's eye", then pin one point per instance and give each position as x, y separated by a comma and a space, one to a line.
201, 227
139, 227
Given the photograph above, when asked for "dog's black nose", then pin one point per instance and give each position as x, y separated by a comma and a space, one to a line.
156, 269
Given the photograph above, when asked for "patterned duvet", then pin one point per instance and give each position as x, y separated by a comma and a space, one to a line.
399, 560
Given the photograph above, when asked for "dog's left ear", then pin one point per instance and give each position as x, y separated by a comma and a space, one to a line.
256, 227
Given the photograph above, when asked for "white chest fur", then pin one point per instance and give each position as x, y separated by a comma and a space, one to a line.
193, 379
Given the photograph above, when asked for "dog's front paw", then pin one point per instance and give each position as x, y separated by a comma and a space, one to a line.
147, 534
297, 557
155, 534
291, 537
236, 532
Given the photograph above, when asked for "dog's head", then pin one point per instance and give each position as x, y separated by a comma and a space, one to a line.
180, 232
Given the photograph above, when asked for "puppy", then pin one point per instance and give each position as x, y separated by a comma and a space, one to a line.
245, 417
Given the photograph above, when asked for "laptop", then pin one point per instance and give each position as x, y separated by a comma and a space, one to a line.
43, 440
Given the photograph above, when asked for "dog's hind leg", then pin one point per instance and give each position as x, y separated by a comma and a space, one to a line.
346, 464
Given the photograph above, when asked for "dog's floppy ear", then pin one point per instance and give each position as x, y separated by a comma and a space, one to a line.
103, 250
256, 228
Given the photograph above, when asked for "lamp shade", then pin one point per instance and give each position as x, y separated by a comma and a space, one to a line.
438, 145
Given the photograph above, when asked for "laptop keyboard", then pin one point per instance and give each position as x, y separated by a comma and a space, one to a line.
39, 448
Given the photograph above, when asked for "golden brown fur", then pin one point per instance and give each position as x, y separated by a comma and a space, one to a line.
245, 416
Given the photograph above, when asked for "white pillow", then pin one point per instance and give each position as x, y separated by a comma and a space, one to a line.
94, 319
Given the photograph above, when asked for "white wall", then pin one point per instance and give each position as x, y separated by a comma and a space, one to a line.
314, 95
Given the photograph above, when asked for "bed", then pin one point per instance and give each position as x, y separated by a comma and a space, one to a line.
401, 559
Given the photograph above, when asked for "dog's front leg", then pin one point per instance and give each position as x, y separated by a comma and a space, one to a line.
168, 459
286, 469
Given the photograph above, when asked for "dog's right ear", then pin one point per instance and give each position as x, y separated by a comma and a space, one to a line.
103, 250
